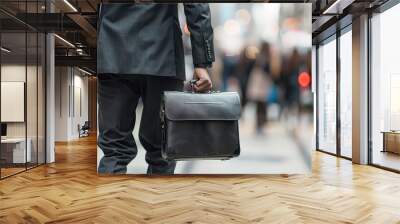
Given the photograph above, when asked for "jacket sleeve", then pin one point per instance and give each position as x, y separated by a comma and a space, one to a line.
198, 18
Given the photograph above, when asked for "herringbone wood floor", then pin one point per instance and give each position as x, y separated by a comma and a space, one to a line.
70, 191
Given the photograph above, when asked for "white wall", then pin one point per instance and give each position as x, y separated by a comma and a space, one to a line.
70, 83
79, 117
61, 103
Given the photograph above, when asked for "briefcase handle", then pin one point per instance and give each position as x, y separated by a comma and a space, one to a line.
193, 81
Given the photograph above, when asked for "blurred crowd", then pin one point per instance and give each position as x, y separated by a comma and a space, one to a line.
263, 51
263, 77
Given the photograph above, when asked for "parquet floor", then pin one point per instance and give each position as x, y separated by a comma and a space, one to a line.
10, 171
70, 191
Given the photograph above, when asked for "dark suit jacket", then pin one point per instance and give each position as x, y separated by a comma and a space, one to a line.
147, 39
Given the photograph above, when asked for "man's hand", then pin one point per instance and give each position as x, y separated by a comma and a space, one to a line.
204, 83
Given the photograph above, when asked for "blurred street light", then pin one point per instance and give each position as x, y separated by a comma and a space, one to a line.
232, 27
243, 16
304, 80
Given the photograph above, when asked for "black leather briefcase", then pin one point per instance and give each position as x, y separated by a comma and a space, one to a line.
200, 125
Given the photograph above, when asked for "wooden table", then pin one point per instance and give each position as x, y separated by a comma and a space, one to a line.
391, 141
13, 150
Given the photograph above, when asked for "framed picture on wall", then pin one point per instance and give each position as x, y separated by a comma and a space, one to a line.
12, 101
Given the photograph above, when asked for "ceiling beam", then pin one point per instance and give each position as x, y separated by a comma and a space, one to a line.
72, 12
82, 61
337, 7
320, 22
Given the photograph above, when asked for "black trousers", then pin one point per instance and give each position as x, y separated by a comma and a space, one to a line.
118, 96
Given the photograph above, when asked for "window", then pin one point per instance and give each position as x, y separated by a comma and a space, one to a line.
385, 89
346, 93
327, 96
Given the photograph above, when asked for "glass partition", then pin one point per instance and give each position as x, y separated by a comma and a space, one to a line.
33, 64
22, 91
15, 150
31, 100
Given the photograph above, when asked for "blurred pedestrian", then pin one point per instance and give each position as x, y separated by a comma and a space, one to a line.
288, 81
259, 86
242, 71
229, 63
